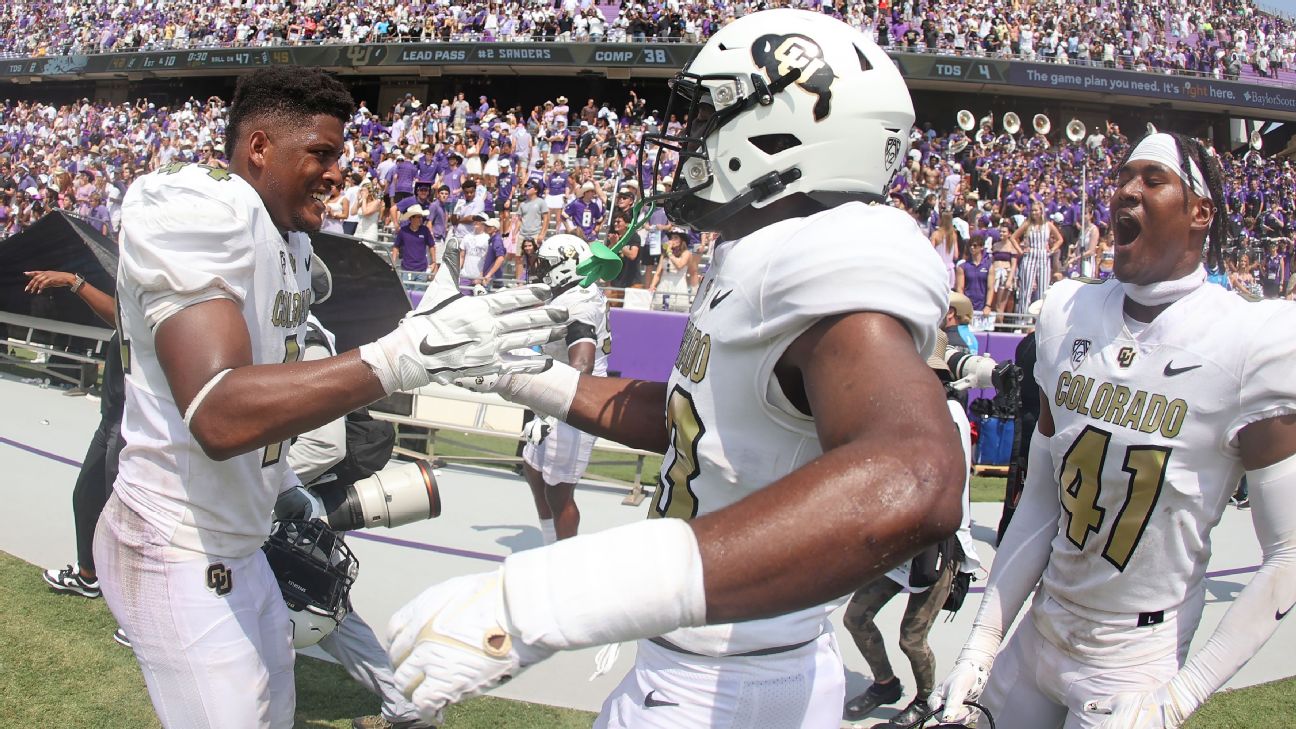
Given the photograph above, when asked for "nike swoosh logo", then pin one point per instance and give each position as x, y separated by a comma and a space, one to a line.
715, 300
650, 702
1170, 370
1283, 614
438, 349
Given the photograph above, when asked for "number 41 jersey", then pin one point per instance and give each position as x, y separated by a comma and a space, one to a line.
733, 432
1145, 447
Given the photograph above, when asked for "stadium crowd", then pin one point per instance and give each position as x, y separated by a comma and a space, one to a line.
1225, 39
1010, 215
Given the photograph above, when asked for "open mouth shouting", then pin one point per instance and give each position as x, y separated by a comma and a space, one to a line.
1126, 227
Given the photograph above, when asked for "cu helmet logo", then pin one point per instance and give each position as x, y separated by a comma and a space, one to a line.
778, 55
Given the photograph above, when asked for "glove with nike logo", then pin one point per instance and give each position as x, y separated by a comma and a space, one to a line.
466, 337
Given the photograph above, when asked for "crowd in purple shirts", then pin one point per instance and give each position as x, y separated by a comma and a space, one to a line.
533, 172
1013, 214
1228, 38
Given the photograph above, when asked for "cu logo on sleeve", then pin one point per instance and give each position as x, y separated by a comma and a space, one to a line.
219, 579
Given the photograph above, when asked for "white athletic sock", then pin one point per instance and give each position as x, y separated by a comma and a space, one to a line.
547, 532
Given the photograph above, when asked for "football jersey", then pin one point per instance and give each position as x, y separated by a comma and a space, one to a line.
586, 305
732, 430
191, 234
1145, 447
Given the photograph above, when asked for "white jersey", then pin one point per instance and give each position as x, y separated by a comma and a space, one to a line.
588, 316
192, 234
1145, 446
733, 432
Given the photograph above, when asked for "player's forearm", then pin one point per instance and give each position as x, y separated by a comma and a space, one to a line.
630, 412
258, 405
872, 510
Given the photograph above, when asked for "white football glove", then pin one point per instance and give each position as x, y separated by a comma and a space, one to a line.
964, 683
538, 428
1156, 709
454, 641
465, 336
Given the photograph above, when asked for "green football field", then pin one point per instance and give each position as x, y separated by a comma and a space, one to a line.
60, 667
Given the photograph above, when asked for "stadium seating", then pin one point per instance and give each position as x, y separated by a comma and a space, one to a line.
1228, 39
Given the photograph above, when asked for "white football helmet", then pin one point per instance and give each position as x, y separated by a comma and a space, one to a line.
559, 256
781, 102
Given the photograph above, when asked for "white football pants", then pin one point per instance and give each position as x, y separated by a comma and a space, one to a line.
800, 689
212, 635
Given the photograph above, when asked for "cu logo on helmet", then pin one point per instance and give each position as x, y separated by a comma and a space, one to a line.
779, 55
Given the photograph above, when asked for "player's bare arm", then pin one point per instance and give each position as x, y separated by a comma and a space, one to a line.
581, 357
892, 470
624, 410
252, 406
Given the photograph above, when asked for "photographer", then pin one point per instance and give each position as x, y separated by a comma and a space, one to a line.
928, 579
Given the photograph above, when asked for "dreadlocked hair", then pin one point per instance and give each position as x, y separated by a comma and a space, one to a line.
285, 91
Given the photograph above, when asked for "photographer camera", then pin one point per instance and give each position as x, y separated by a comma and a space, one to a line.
937, 578
329, 460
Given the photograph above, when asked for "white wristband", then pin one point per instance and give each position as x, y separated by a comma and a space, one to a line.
579, 592
192, 410
548, 393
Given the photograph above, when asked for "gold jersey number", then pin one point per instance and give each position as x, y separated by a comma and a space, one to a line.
1081, 485
675, 497
292, 353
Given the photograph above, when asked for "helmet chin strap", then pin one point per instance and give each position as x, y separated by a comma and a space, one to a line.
762, 188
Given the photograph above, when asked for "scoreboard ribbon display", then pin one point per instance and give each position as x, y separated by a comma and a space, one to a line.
655, 59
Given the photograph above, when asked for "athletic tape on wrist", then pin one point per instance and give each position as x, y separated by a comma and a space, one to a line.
373, 355
202, 395
578, 593
548, 393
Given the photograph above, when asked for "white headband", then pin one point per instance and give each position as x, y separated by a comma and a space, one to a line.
1162, 149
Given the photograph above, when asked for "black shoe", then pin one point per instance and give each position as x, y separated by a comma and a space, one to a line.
916, 711
119, 635
876, 695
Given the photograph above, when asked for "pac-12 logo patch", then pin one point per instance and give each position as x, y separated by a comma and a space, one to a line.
1079, 350
892, 151
219, 579
777, 55
1125, 357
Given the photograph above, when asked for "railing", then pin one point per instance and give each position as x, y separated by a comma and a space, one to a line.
79, 367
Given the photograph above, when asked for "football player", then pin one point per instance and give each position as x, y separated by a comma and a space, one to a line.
1158, 393
214, 290
808, 447
555, 463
